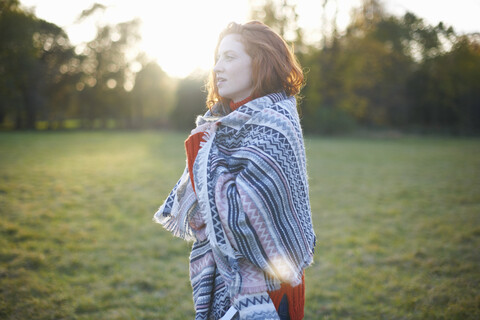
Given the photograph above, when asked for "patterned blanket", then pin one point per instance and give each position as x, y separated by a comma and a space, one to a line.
250, 212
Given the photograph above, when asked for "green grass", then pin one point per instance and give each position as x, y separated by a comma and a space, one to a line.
397, 221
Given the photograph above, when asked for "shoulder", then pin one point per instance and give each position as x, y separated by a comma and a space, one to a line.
275, 101
283, 107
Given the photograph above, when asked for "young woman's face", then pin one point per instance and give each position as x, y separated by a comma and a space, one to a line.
233, 69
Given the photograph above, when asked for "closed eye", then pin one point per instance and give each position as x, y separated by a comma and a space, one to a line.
227, 56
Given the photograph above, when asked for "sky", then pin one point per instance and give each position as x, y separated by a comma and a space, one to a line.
181, 34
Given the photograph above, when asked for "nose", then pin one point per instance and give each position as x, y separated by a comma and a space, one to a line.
218, 66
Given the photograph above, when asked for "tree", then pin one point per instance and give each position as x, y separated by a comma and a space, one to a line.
369, 73
279, 15
107, 72
31, 52
445, 89
152, 96
190, 101
15, 43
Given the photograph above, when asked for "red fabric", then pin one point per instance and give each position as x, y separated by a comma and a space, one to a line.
295, 296
235, 105
192, 146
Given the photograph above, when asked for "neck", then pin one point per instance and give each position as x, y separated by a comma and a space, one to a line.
235, 105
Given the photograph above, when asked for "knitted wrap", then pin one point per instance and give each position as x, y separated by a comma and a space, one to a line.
250, 212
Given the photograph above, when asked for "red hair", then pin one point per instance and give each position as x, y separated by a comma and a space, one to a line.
274, 65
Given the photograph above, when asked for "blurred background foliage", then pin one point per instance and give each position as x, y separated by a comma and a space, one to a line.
383, 72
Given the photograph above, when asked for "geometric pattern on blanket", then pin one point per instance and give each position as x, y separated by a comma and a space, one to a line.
252, 193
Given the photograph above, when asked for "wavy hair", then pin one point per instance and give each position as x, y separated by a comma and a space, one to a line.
274, 65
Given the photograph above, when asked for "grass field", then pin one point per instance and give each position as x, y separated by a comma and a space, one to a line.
397, 222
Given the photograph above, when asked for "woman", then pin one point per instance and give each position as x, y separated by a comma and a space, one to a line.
243, 198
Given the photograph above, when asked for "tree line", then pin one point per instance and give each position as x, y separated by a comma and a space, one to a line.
383, 71
398, 72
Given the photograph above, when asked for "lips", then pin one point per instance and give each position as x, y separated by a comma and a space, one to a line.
220, 80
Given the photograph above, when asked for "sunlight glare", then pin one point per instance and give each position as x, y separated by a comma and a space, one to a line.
179, 35
182, 36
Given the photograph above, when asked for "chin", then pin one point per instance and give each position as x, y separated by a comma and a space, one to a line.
224, 95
